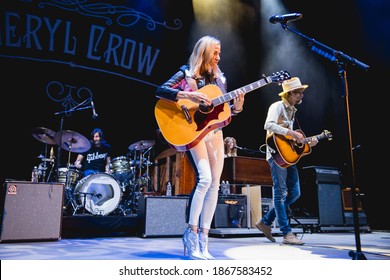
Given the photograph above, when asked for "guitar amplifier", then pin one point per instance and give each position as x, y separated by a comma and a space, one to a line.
321, 194
162, 215
230, 212
31, 211
323, 174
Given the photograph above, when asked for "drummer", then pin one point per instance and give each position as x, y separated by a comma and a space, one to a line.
97, 159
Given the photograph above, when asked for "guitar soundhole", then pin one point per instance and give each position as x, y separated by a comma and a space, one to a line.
205, 109
299, 145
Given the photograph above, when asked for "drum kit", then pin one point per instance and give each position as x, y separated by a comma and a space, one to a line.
132, 173
102, 193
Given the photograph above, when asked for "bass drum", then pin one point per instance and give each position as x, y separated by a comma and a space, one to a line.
99, 193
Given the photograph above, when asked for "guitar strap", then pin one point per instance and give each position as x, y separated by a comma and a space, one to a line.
297, 122
191, 81
221, 85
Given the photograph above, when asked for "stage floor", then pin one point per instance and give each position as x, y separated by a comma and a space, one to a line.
128, 245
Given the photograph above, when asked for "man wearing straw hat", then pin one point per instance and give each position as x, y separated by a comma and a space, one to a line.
286, 186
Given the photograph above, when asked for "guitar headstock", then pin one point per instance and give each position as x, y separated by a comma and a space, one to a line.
279, 77
327, 134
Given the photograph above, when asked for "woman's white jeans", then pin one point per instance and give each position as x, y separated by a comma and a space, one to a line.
208, 157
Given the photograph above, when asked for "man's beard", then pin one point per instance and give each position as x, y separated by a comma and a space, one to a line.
97, 143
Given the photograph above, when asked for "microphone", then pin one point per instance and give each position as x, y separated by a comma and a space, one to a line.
94, 114
238, 147
285, 18
357, 147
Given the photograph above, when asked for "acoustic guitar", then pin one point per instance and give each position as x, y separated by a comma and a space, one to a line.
184, 123
286, 151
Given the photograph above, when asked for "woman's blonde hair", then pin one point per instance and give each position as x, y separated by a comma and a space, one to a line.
201, 58
230, 151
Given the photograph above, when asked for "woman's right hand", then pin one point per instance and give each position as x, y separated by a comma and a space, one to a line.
194, 96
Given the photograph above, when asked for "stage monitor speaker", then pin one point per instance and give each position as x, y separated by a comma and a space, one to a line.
162, 215
31, 211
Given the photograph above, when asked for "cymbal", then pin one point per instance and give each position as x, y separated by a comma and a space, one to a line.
141, 145
48, 159
44, 135
72, 141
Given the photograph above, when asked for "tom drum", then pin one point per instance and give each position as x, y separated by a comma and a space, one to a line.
121, 168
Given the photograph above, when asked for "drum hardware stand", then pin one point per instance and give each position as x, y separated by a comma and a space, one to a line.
132, 202
84, 195
52, 159
123, 206
70, 200
44, 164
147, 168
342, 60
68, 189
140, 184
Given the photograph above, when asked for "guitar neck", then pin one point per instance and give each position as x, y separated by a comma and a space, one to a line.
319, 137
248, 88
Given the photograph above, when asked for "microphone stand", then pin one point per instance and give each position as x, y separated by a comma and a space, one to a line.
63, 113
248, 151
68, 190
341, 60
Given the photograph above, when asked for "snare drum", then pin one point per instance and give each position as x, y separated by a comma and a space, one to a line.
99, 193
73, 173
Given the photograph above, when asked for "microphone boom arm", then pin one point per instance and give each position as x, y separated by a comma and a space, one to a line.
75, 108
327, 52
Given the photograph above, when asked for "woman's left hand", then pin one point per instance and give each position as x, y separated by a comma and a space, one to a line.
239, 101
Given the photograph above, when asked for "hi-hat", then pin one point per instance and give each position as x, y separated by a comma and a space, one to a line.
72, 141
42, 158
142, 145
44, 135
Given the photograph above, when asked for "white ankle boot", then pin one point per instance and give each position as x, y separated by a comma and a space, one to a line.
191, 244
204, 245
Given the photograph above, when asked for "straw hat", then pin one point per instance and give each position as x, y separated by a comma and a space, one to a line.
291, 84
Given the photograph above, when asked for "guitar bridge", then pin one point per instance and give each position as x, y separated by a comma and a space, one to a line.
186, 114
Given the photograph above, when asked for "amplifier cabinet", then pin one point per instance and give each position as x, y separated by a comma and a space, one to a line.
321, 195
323, 174
31, 211
162, 215
230, 212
